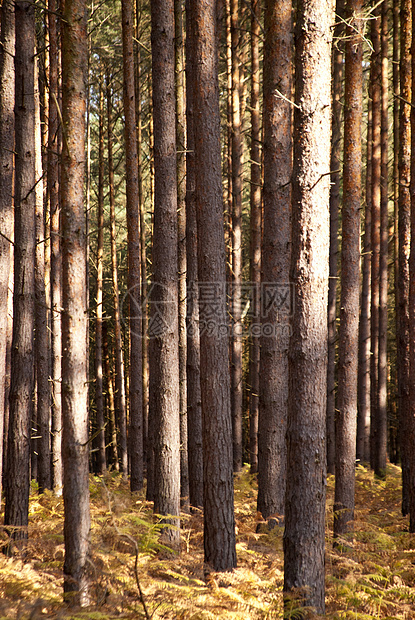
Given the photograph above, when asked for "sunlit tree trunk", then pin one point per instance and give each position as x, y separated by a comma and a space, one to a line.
276, 249
304, 538
75, 445
164, 345
350, 274
6, 192
22, 354
219, 520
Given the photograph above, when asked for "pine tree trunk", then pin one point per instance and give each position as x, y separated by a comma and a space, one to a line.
75, 445
350, 274
236, 280
110, 399
194, 409
134, 256
402, 340
17, 480
219, 520
6, 193
255, 236
54, 144
335, 164
304, 538
164, 345
276, 248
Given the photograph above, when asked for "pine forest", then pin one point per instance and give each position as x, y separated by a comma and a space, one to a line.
207, 321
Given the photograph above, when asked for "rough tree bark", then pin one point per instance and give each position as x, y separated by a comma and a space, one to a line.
350, 274
304, 539
75, 445
219, 520
17, 480
276, 250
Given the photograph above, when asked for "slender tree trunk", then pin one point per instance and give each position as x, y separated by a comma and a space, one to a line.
99, 392
110, 399
6, 193
54, 144
17, 479
276, 248
181, 234
375, 78
194, 408
335, 165
350, 274
404, 227
255, 236
363, 379
304, 538
134, 256
236, 298
219, 520
75, 446
382, 424
164, 346
119, 358
42, 341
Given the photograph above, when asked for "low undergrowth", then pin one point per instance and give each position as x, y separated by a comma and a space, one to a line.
370, 576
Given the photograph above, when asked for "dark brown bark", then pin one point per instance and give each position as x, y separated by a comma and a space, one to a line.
110, 399
134, 256
194, 405
164, 345
42, 340
54, 144
255, 236
350, 274
236, 279
99, 389
375, 77
120, 404
75, 445
381, 424
276, 248
335, 165
219, 520
402, 340
181, 237
22, 355
304, 538
6, 193
363, 379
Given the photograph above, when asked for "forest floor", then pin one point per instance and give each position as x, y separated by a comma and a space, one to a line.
372, 576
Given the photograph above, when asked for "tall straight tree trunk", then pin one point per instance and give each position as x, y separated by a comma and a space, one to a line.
134, 256
382, 425
335, 164
375, 77
194, 408
164, 346
99, 389
181, 235
350, 274
404, 227
75, 445
304, 538
42, 340
363, 379
17, 480
110, 398
54, 144
255, 236
236, 299
219, 520
276, 247
119, 358
6, 192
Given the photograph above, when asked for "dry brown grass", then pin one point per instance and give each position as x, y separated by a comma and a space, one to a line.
373, 576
